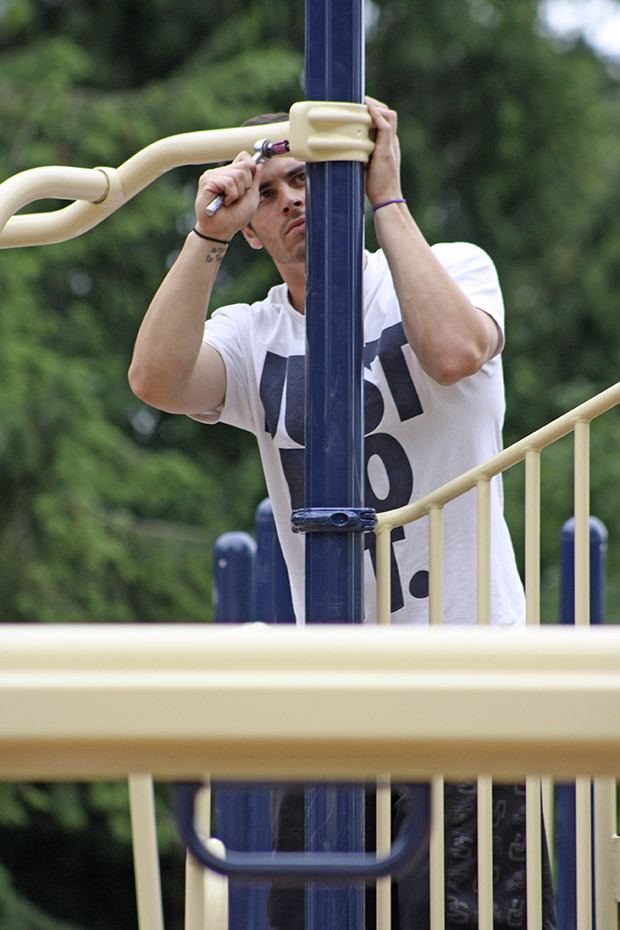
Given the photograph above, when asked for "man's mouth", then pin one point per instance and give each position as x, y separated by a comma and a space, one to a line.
297, 223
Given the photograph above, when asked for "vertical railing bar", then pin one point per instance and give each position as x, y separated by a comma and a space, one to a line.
485, 784
435, 616
533, 831
195, 875
145, 852
483, 546
437, 856
384, 842
485, 853
582, 529
583, 804
384, 592
533, 853
435, 565
532, 536
194, 895
583, 830
384, 800
605, 907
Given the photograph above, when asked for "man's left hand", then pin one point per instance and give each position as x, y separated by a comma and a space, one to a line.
383, 174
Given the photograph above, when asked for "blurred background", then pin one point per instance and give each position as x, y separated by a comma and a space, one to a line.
509, 116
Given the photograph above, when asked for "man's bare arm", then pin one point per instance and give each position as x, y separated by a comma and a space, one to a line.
172, 368
451, 338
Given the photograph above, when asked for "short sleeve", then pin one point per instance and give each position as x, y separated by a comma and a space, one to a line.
474, 272
226, 331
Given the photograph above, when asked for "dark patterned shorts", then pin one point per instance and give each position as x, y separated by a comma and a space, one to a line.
410, 894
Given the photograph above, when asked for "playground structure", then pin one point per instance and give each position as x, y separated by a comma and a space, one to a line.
188, 703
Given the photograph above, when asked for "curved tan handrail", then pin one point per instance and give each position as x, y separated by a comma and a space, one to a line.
316, 131
98, 192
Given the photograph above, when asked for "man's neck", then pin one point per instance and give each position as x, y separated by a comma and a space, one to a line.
294, 276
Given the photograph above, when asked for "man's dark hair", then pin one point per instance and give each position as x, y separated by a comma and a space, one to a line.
264, 118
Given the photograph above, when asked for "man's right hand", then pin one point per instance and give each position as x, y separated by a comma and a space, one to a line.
238, 183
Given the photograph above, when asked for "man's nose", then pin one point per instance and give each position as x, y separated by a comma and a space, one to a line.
292, 199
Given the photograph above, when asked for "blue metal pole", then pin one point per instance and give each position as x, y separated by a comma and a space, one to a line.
566, 854
334, 428
272, 591
233, 564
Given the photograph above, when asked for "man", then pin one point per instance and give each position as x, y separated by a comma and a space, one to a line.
434, 407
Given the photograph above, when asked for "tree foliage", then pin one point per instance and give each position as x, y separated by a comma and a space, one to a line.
109, 509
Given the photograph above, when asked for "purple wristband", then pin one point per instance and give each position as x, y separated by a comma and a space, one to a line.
386, 203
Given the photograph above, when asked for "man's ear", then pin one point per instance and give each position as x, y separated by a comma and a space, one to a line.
251, 238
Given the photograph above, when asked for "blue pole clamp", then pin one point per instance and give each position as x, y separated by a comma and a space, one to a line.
406, 854
331, 520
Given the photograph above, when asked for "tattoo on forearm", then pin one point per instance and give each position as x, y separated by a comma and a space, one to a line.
215, 254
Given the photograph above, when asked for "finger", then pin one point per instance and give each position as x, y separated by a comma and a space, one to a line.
232, 182
373, 101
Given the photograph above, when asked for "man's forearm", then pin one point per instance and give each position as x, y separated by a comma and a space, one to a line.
170, 337
450, 337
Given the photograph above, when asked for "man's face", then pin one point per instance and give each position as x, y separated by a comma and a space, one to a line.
279, 225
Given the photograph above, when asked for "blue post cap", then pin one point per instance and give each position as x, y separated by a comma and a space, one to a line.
598, 530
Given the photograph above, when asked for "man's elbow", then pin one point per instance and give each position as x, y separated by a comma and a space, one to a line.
450, 368
144, 386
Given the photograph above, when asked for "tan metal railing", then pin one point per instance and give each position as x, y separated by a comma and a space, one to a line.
96, 702
316, 131
479, 478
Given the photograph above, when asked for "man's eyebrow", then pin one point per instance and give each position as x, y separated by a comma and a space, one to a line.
292, 172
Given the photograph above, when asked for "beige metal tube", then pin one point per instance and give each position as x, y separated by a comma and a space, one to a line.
483, 548
485, 853
195, 874
189, 148
145, 853
384, 842
533, 858
194, 917
606, 909
505, 459
435, 607
583, 834
532, 537
384, 802
582, 530
55, 181
101, 701
437, 856
206, 892
384, 580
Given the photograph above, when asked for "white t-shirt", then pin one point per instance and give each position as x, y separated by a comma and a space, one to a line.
419, 434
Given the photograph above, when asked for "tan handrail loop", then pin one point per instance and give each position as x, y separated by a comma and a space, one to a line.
317, 131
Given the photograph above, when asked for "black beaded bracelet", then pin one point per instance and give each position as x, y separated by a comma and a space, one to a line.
211, 238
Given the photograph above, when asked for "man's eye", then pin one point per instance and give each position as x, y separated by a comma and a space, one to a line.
301, 177
263, 195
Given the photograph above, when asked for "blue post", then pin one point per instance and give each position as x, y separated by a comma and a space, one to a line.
233, 561
241, 814
334, 429
272, 591
566, 856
